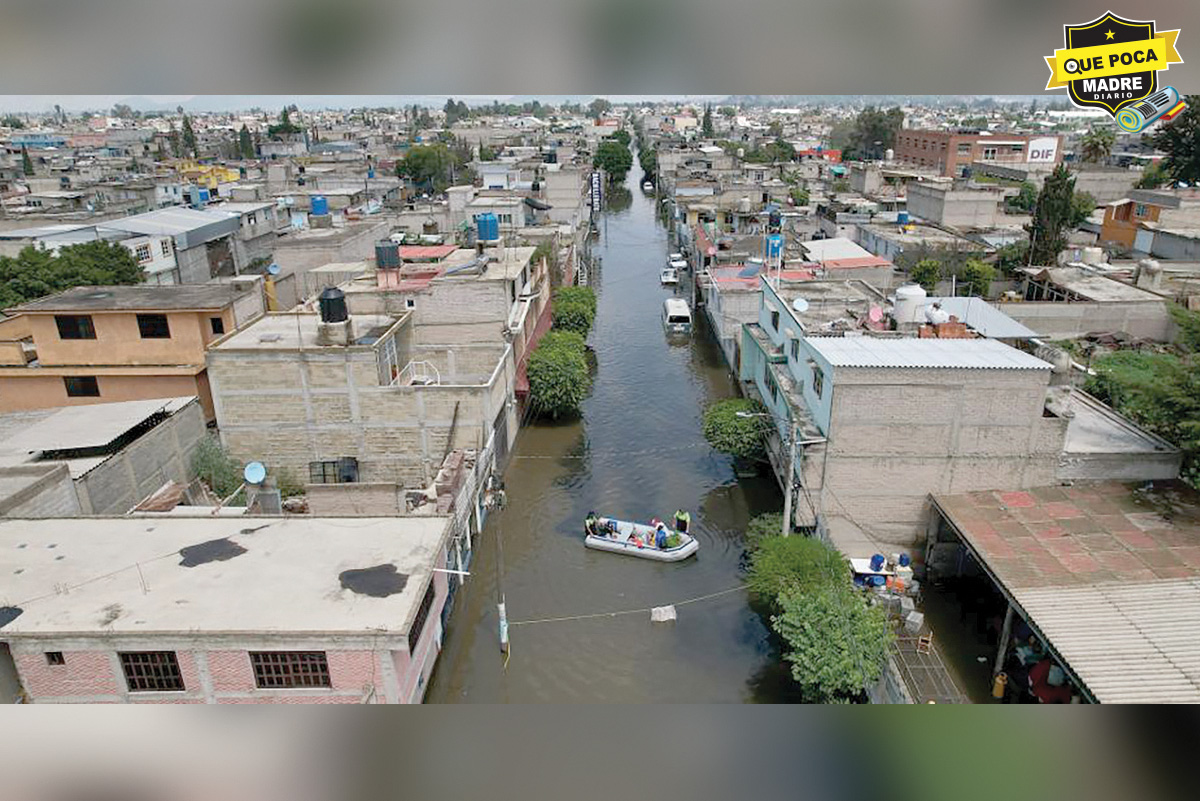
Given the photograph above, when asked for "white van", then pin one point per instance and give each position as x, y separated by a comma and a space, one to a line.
676, 316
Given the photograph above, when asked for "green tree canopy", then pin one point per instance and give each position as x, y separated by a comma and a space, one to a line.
12, 121
599, 106
779, 565
1054, 216
1180, 140
873, 131
926, 272
1153, 177
706, 124
572, 313
836, 643
26, 162
648, 160
729, 432
433, 166
614, 158
975, 278
285, 126
558, 375
1097, 144
245, 143
620, 135
1025, 199
36, 273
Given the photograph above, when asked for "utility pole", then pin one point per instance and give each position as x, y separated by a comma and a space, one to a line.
787, 488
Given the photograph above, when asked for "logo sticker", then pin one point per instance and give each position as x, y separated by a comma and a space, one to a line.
1113, 63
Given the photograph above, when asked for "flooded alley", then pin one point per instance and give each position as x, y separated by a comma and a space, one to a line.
636, 452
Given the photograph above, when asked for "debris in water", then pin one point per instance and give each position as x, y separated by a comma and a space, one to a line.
662, 614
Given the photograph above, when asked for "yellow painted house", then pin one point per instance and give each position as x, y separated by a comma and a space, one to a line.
207, 176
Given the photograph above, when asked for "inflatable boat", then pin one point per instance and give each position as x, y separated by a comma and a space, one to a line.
636, 539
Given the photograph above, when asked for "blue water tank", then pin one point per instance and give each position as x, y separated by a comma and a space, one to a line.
204, 196
320, 205
902, 217
489, 227
774, 247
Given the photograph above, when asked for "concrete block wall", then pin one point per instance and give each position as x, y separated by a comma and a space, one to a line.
1053, 320
38, 491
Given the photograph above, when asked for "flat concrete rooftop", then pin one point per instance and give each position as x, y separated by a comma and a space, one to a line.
211, 575
284, 331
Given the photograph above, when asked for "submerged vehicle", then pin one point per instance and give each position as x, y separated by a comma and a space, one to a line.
676, 316
669, 275
647, 186
637, 539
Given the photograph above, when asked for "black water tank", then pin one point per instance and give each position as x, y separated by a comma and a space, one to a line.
333, 305
387, 254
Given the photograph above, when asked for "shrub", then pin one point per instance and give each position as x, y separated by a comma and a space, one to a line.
738, 436
573, 315
762, 527
215, 467
577, 294
558, 375
780, 565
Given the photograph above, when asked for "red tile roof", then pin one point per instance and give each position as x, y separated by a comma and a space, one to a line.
413, 252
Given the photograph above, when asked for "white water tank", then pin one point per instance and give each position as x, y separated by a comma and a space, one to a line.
741, 151
910, 299
889, 155
1149, 274
744, 205
1093, 255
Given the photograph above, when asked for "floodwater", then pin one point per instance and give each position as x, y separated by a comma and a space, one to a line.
636, 452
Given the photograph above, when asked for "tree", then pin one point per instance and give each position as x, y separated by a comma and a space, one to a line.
740, 435
614, 158
26, 162
1011, 256
572, 310
558, 375
1082, 206
122, 111
13, 122
779, 565
775, 129
1153, 177
486, 153
926, 272
975, 278
285, 127
621, 136
872, 133
1025, 199
176, 145
189, 137
706, 124
728, 111
430, 166
836, 643
598, 107
1053, 215
1180, 140
215, 467
762, 528
1097, 144
648, 161
245, 143
35, 273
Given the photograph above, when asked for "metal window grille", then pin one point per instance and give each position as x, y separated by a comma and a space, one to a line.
414, 632
152, 671
290, 669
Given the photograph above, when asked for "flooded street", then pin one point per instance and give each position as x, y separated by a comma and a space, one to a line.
637, 452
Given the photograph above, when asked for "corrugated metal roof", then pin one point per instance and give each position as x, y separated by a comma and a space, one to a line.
1129, 643
924, 353
985, 318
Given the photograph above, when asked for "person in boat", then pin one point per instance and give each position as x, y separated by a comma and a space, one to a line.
660, 537
682, 521
589, 524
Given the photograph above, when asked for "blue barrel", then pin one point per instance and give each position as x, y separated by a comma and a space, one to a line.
902, 217
204, 195
489, 227
774, 247
877, 562
905, 560
878, 581
320, 205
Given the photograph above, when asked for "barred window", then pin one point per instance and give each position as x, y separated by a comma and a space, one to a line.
275, 669
414, 632
152, 671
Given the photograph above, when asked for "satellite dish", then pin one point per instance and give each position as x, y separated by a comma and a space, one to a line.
273, 270
254, 473
800, 305
875, 314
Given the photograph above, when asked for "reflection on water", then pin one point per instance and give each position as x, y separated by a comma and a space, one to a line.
637, 452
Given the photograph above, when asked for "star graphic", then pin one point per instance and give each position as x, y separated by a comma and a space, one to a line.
1108, 34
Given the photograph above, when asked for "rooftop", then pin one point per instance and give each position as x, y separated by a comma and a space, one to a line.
97, 429
984, 318
1095, 429
873, 352
286, 331
1108, 573
144, 297
215, 575
1089, 284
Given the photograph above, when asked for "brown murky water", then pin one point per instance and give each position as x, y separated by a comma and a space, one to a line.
637, 452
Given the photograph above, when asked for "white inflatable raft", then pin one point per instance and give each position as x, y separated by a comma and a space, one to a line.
623, 538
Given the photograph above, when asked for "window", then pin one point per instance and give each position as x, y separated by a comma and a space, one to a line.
166, 247
774, 321
153, 326
218, 325
151, 671
334, 471
252, 218
1140, 210
55, 658
84, 386
290, 669
795, 349
142, 253
414, 632
1018, 148
75, 326
989, 154
409, 303
818, 381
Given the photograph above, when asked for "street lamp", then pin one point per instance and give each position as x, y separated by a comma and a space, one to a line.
794, 436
